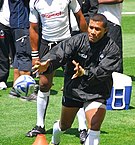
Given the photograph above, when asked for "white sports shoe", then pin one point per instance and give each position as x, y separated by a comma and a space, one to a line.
3, 85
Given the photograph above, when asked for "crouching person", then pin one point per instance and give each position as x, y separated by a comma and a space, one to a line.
90, 59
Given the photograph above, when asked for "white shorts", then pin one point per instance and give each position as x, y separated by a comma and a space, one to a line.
93, 105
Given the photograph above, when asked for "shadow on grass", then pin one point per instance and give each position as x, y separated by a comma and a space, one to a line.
10, 84
72, 131
132, 77
131, 107
49, 131
53, 92
104, 132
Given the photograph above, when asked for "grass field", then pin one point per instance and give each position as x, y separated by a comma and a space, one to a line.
128, 6
18, 116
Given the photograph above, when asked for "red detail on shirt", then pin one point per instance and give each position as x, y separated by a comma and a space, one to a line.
51, 15
2, 36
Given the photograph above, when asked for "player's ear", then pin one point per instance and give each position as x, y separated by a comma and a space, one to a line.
106, 29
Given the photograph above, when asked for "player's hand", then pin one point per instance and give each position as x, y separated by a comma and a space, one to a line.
34, 61
40, 66
79, 70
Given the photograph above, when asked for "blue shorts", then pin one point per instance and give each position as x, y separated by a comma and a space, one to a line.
23, 59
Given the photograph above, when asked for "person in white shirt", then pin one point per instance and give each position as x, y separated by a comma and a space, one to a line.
112, 9
6, 43
54, 16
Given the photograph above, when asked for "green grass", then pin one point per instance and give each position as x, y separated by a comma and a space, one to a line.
17, 116
129, 6
128, 30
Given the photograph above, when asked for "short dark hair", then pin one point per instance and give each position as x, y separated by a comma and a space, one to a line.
100, 17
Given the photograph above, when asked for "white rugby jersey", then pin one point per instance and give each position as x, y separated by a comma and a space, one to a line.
54, 17
112, 12
5, 14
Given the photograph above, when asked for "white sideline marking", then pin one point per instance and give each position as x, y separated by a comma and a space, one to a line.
128, 13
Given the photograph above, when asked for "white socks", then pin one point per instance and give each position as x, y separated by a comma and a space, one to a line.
92, 138
42, 102
56, 133
81, 119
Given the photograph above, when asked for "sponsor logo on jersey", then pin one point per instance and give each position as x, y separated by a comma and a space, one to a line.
82, 55
51, 15
101, 57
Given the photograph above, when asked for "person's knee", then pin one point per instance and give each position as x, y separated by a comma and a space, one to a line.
45, 87
95, 113
95, 123
45, 83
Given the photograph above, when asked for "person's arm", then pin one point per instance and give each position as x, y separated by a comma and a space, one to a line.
76, 9
33, 30
34, 36
110, 1
81, 21
60, 53
34, 39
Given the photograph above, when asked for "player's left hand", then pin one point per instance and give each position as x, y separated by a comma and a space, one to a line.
79, 70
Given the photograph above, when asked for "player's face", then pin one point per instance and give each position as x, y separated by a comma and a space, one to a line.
96, 31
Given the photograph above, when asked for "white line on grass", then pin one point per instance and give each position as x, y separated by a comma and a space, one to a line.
128, 13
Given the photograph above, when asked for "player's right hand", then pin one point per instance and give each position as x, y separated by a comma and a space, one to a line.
40, 66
